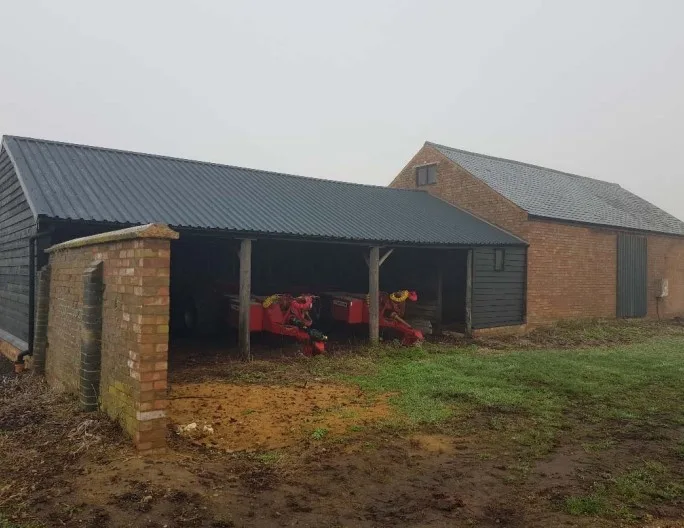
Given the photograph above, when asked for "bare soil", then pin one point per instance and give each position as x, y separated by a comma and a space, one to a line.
265, 417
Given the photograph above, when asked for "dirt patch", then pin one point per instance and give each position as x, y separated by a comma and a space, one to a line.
433, 443
264, 417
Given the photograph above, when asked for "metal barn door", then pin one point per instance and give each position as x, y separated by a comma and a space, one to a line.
631, 276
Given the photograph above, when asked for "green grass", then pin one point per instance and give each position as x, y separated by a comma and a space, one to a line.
628, 383
586, 505
319, 433
645, 485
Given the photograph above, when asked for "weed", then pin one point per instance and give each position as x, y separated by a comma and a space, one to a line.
356, 428
586, 505
271, 457
319, 433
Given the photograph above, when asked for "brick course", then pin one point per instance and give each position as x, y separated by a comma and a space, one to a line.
135, 313
572, 269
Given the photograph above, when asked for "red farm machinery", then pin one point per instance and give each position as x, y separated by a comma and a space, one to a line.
283, 314
352, 308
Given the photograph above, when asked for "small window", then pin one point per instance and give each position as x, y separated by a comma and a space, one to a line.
426, 175
499, 256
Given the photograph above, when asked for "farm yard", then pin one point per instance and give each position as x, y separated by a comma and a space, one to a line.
574, 425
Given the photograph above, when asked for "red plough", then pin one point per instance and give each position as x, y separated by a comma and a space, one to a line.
352, 308
287, 315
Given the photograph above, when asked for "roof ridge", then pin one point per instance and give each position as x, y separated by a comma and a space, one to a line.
188, 160
497, 158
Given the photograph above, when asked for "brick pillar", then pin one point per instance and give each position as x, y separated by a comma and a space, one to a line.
148, 361
41, 326
91, 337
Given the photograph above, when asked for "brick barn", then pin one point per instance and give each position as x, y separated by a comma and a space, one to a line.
595, 249
113, 262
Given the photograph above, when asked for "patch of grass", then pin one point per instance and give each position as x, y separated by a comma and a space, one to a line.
648, 483
586, 505
270, 457
319, 433
641, 487
355, 428
634, 383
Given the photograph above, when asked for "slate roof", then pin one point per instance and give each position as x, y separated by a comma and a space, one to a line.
77, 182
559, 195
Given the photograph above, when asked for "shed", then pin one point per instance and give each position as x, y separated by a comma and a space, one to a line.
301, 229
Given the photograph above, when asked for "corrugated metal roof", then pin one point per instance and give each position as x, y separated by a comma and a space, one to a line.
553, 194
76, 182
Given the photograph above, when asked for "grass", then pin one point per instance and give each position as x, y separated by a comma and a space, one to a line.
538, 388
589, 505
647, 484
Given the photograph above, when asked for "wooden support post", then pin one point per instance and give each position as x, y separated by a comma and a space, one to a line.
374, 294
245, 298
469, 294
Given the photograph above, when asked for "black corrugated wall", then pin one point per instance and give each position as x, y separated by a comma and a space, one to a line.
632, 276
16, 226
498, 296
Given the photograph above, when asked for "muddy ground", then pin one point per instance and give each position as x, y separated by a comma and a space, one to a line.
340, 460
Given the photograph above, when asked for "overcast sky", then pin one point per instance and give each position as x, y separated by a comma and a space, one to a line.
351, 90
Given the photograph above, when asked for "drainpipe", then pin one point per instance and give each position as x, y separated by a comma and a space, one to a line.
32, 292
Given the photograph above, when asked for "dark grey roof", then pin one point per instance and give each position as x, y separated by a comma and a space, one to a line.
76, 182
553, 194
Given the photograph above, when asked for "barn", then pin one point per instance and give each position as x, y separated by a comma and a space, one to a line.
595, 249
110, 260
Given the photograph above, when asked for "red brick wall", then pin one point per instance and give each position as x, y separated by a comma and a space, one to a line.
666, 261
135, 317
571, 272
458, 187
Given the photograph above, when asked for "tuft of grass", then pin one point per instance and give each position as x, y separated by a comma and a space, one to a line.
319, 433
270, 457
586, 505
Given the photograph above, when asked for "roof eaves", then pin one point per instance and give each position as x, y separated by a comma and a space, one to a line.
603, 226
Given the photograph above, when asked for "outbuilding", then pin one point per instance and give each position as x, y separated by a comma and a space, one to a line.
297, 232
595, 249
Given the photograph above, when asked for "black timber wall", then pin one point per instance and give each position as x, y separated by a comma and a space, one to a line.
16, 226
498, 297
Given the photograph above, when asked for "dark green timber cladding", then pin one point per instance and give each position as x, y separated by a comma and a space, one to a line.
498, 296
632, 276
16, 226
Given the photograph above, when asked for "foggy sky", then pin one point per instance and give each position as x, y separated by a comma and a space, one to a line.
351, 90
